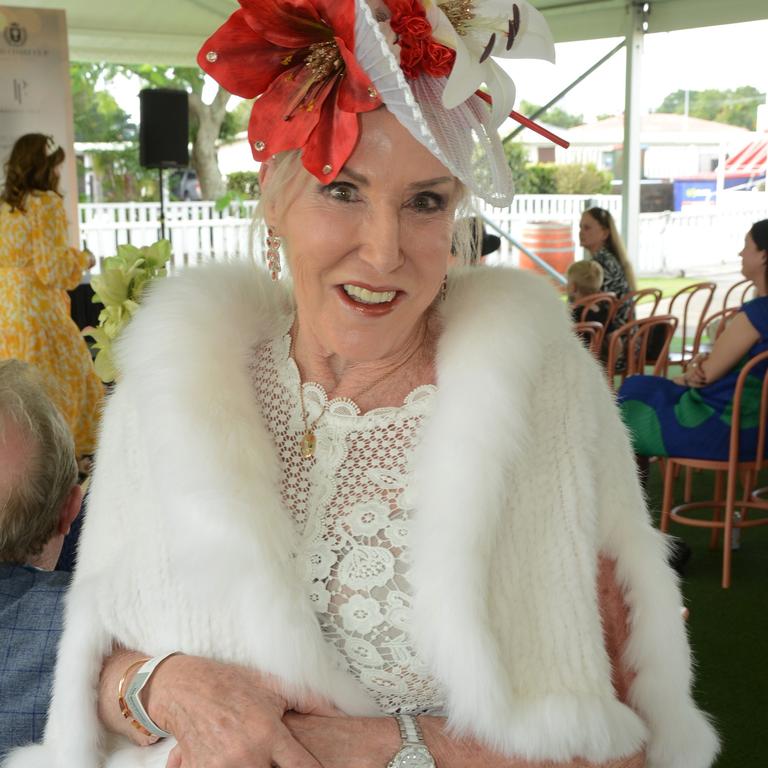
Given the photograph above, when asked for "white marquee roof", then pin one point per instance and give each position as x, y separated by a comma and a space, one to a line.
171, 31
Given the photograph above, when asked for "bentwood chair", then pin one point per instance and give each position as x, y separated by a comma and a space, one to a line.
591, 334
728, 513
628, 347
738, 293
712, 326
643, 296
680, 306
595, 302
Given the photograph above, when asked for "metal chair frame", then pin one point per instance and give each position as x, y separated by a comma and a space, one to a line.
592, 302
637, 297
723, 316
631, 340
724, 510
686, 294
592, 334
744, 286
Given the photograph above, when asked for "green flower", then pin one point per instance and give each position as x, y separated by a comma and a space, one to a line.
119, 288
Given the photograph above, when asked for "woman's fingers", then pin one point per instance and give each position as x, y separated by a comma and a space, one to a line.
288, 753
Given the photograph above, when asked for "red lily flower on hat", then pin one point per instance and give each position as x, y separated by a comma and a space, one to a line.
296, 58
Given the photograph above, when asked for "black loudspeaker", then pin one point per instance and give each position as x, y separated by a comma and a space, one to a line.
164, 130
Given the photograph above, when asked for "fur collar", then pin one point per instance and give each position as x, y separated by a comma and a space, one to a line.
494, 570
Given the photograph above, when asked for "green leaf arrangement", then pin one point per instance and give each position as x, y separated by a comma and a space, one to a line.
119, 287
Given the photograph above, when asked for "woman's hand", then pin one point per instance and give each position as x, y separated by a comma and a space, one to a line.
346, 742
695, 375
225, 716
356, 742
222, 715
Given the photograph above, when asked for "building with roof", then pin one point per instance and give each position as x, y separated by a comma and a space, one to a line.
672, 146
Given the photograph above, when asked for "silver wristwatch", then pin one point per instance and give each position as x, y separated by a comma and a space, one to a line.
413, 753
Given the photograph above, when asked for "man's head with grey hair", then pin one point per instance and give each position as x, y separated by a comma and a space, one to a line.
39, 495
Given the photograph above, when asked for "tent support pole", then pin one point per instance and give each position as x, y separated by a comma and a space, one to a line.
631, 154
555, 99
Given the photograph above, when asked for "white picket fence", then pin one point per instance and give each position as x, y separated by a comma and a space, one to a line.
670, 242
197, 231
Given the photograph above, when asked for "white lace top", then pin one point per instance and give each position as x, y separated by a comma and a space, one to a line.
351, 508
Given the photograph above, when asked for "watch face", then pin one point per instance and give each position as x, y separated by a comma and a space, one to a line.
413, 756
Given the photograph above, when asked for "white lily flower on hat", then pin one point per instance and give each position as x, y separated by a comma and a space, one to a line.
479, 30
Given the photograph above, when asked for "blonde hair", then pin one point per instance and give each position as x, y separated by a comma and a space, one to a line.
586, 276
30, 513
614, 243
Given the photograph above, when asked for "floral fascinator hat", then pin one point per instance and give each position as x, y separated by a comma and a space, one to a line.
314, 65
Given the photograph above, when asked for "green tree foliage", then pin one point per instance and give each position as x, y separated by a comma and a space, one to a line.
206, 119
98, 117
737, 106
540, 179
236, 120
244, 184
549, 178
575, 179
517, 160
553, 116
122, 178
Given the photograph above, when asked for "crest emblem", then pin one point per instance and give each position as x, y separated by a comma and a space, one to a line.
15, 35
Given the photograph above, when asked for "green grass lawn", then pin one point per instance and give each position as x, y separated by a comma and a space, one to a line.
669, 285
729, 633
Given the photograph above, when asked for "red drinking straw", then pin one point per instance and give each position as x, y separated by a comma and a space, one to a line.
523, 120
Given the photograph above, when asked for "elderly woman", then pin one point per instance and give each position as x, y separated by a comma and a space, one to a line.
359, 507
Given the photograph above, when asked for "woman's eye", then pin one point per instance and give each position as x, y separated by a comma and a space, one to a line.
428, 201
345, 193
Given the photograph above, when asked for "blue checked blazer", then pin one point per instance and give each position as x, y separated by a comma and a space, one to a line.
31, 606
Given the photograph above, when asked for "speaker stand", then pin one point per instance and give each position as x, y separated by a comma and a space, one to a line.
162, 205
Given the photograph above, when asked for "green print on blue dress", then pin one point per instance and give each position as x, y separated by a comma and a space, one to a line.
668, 419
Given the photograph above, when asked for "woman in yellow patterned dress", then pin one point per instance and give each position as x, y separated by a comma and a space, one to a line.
37, 267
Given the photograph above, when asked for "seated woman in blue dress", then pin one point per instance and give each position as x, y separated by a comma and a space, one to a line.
691, 414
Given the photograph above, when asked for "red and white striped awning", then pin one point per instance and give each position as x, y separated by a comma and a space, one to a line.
750, 160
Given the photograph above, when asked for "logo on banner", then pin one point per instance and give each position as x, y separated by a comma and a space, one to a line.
15, 35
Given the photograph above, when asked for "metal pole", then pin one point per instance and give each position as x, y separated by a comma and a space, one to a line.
162, 205
583, 76
631, 160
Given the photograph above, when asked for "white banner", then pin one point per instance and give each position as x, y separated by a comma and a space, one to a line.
35, 89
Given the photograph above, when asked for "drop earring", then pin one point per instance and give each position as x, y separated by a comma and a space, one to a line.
273, 253
444, 288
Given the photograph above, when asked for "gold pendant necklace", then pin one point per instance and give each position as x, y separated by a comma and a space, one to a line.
308, 442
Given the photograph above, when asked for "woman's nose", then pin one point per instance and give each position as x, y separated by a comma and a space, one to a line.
380, 244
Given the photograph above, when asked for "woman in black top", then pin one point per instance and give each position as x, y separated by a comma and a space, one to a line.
598, 234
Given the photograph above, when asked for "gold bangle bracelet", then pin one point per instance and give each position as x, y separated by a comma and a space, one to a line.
124, 709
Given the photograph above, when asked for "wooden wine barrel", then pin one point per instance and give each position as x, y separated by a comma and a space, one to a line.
551, 241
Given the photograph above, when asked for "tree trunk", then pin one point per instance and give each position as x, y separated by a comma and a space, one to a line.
204, 155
